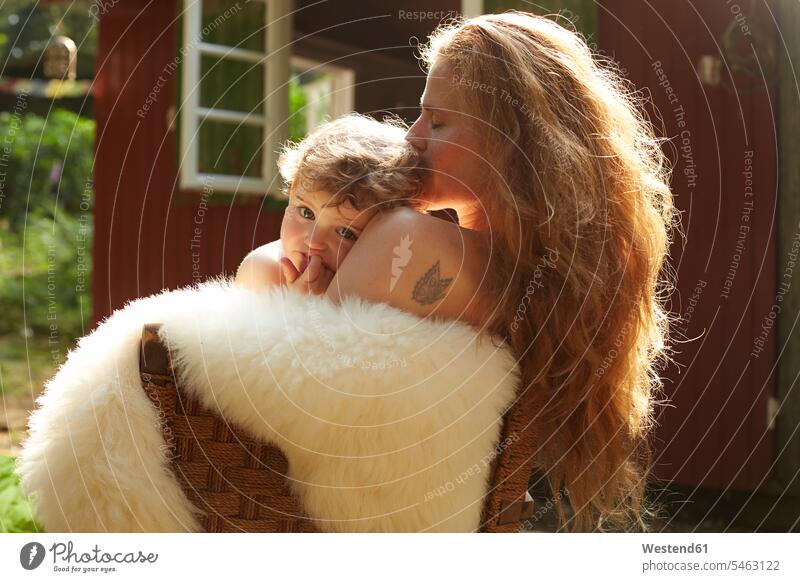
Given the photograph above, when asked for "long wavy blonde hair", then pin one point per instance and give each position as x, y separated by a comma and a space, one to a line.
582, 214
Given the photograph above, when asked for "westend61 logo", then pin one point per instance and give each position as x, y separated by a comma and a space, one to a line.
65, 559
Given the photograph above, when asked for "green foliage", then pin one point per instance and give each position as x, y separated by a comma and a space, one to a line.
45, 223
297, 110
26, 27
17, 514
46, 285
45, 162
26, 363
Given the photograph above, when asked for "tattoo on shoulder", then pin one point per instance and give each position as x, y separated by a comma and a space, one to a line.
431, 286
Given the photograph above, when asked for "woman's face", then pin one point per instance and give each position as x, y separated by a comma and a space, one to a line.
450, 150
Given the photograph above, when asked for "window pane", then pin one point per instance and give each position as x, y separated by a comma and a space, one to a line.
242, 25
228, 84
226, 148
310, 99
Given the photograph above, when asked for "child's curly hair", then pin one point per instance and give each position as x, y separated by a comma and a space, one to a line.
358, 160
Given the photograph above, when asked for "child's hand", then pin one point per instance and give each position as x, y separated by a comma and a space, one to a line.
314, 280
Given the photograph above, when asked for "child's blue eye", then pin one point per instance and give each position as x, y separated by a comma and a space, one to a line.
348, 234
302, 210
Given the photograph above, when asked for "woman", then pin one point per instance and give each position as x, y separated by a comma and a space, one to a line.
564, 224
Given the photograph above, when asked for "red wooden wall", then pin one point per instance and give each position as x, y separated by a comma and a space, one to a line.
144, 234
714, 432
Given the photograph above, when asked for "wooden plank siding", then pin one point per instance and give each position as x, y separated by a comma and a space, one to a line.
788, 336
714, 431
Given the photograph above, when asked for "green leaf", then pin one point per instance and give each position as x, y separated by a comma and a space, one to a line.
17, 514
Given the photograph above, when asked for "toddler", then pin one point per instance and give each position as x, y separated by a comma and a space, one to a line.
337, 179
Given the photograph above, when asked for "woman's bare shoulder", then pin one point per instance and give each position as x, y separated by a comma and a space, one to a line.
425, 227
415, 262
407, 217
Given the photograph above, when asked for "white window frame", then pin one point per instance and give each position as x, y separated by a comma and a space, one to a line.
273, 113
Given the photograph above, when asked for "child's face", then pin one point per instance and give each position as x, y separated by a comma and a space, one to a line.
309, 228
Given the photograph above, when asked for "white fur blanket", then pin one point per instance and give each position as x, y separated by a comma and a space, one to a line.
388, 421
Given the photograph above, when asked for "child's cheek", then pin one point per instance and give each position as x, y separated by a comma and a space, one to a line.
292, 217
290, 223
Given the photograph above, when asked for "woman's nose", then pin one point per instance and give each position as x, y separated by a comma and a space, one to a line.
414, 138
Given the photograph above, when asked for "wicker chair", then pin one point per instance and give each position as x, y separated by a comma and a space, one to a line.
241, 484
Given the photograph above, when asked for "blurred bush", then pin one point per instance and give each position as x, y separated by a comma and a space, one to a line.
46, 224
46, 163
17, 514
46, 283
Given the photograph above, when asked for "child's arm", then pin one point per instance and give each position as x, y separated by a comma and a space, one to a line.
259, 269
266, 267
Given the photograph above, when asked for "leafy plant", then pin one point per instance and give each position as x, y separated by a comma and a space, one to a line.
17, 513
297, 110
47, 164
46, 223
45, 287
27, 26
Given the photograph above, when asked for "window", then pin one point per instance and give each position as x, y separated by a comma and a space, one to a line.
318, 92
234, 100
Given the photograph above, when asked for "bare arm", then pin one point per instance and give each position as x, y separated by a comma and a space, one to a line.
264, 267
258, 271
409, 261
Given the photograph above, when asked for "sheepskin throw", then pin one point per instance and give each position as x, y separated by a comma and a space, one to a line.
389, 421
